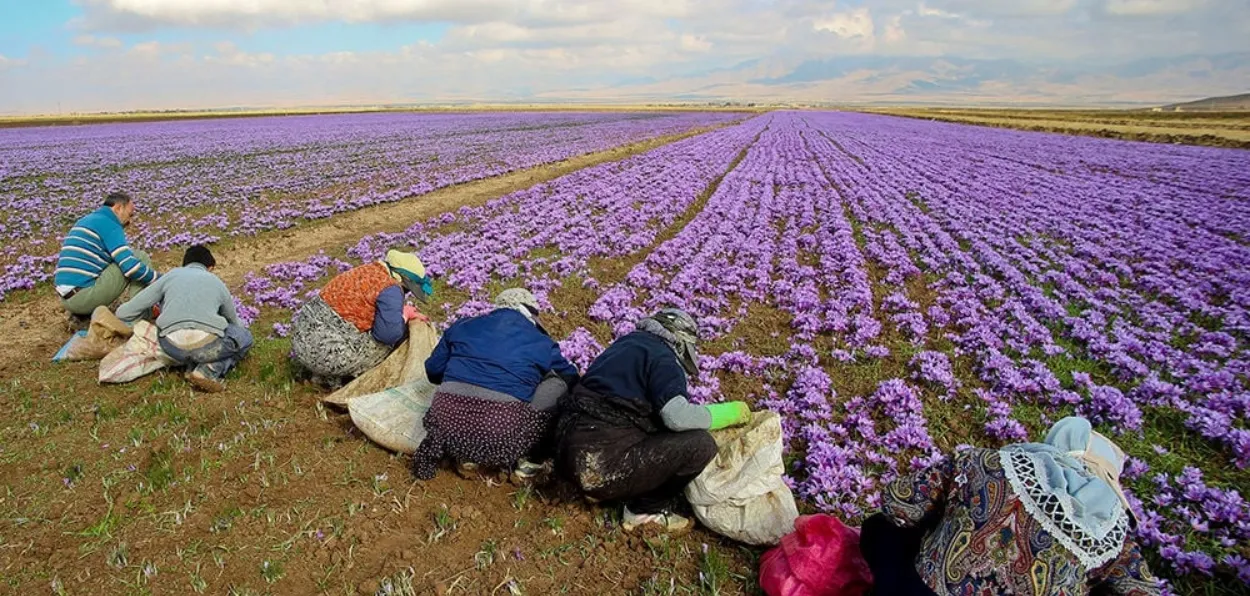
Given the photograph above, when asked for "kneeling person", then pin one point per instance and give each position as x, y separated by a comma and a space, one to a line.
359, 317
500, 378
1033, 519
198, 325
96, 265
628, 432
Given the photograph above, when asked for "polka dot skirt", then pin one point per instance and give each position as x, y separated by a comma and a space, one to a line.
469, 429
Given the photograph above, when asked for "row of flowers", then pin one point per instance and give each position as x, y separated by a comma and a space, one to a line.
204, 180
1001, 278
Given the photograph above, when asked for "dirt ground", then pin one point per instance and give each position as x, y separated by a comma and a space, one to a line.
150, 488
1216, 129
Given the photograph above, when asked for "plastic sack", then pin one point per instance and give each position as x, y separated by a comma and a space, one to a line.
140, 355
741, 494
394, 418
105, 333
404, 365
397, 393
69, 351
821, 558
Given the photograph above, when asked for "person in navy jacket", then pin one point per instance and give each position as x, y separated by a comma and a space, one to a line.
500, 377
628, 432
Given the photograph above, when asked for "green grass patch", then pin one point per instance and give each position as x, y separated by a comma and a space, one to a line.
103, 528
159, 470
268, 364
163, 409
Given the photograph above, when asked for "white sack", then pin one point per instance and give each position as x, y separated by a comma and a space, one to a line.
741, 493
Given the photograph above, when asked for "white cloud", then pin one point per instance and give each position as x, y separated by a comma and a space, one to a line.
7, 63
262, 12
850, 24
610, 33
157, 76
155, 50
1152, 7
1012, 8
139, 14
226, 53
695, 43
502, 48
894, 32
927, 11
103, 43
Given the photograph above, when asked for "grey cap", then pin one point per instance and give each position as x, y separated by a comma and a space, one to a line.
686, 331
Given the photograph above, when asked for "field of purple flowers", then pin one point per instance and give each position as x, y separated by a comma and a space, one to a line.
900, 288
204, 180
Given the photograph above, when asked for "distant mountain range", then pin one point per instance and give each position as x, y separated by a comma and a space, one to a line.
1228, 103
907, 80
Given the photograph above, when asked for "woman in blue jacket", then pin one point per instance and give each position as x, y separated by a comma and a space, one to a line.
500, 376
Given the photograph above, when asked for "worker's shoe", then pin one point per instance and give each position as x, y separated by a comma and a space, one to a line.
527, 472
466, 469
668, 521
203, 381
75, 323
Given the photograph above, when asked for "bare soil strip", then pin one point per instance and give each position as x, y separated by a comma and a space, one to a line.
34, 328
1219, 129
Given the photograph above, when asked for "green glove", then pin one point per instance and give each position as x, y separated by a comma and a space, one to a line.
729, 414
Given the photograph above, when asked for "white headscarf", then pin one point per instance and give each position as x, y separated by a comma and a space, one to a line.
1071, 485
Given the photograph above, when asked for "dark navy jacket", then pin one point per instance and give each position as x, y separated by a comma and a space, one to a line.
501, 351
388, 319
639, 366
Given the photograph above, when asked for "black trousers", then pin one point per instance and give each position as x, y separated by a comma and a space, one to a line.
647, 471
891, 553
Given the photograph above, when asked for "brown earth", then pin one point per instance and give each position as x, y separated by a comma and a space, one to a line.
1215, 129
257, 490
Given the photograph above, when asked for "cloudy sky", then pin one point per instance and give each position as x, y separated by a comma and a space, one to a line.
87, 55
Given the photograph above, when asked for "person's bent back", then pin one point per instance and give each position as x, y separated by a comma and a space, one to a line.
628, 432
198, 324
503, 351
1033, 519
359, 317
96, 264
500, 378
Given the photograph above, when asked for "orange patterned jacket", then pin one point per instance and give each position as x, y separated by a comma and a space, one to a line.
354, 294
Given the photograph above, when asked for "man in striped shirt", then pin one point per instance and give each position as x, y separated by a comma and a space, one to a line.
96, 264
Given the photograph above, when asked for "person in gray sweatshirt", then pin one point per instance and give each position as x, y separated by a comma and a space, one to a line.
197, 324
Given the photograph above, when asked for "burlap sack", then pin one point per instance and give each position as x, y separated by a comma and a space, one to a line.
105, 334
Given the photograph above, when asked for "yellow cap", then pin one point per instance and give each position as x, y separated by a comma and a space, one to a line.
407, 261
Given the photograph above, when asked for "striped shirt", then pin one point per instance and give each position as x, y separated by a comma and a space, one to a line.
95, 242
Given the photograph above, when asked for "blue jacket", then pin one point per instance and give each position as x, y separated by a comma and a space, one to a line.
638, 366
502, 351
388, 320
95, 242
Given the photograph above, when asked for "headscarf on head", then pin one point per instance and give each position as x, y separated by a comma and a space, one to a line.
680, 331
520, 300
1071, 485
410, 271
